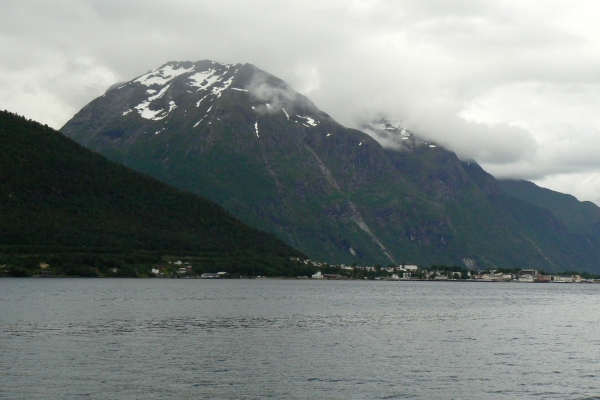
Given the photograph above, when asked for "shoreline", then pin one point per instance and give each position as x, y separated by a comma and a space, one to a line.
295, 279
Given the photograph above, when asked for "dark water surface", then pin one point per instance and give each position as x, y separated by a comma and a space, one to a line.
294, 339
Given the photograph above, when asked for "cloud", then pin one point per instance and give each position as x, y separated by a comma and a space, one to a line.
498, 143
307, 79
275, 94
50, 93
512, 84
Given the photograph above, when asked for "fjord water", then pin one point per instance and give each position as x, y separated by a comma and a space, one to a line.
296, 339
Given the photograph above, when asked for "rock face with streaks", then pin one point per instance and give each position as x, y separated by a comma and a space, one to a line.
244, 139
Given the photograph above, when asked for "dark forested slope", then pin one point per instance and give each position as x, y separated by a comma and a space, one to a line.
56, 197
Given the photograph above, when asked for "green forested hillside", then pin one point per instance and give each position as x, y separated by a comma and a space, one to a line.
577, 215
58, 198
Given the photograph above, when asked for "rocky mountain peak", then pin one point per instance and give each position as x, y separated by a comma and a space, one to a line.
393, 135
195, 95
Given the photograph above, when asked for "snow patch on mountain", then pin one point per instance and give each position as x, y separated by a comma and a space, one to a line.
204, 79
162, 76
309, 121
211, 78
219, 90
200, 101
155, 115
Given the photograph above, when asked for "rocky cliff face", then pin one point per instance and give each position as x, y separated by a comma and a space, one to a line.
243, 138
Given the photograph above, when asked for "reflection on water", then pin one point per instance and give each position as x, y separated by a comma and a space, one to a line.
152, 339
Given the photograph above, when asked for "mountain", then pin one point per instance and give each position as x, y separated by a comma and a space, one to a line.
57, 197
244, 139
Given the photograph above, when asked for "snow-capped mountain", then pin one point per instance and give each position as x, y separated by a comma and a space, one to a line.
192, 95
246, 140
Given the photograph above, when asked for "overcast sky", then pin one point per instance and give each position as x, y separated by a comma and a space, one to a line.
514, 85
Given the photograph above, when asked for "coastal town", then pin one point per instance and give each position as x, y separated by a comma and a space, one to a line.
403, 272
193, 268
413, 273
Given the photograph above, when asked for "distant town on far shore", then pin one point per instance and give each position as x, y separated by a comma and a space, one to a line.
178, 269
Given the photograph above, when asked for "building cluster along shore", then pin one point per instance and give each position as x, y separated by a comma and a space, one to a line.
444, 273
308, 269
404, 272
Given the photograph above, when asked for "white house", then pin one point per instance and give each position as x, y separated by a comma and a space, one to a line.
409, 268
562, 279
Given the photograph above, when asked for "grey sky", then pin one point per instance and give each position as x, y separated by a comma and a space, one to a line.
512, 84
